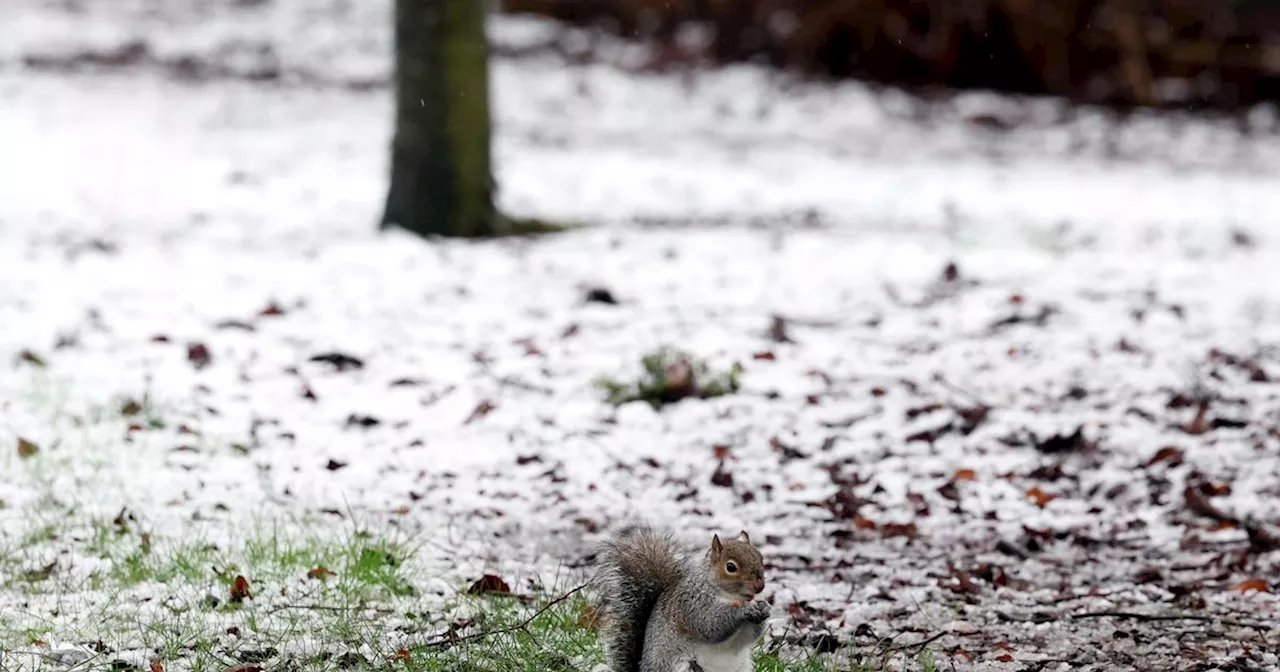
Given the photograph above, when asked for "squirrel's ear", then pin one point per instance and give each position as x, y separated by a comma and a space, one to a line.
716, 546
742, 536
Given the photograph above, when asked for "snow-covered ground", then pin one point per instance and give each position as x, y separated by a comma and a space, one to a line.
1105, 279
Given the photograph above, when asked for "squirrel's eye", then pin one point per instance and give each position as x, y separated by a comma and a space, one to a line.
731, 567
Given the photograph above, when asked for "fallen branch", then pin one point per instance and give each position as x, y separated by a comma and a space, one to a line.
1151, 618
916, 645
450, 639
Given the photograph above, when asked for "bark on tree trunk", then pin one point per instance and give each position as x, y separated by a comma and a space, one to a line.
441, 182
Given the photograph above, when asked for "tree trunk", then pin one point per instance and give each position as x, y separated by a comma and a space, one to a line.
441, 182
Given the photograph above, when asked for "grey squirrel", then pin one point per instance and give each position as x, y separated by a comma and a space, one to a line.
668, 609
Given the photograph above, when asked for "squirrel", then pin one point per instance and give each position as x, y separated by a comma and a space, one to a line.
669, 609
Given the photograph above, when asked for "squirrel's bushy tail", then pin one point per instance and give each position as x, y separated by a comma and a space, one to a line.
635, 568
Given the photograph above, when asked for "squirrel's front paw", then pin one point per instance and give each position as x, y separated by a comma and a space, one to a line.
758, 611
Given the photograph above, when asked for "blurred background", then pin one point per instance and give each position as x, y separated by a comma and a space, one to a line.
1172, 53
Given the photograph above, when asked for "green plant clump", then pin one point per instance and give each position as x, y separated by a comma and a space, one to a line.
669, 375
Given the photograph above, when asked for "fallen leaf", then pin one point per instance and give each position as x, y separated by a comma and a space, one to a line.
1199, 424
864, 523
1061, 443
240, 589
402, 656
1004, 658
489, 583
319, 572
130, 407
482, 409
599, 295
899, 530
334, 465
155, 664
1167, 454
272, 309
31, 358
964, 475
198, 354
26, 448
764, 356
362, 421
720, 477
1040, 497
786, 452
338, 360
1253, 584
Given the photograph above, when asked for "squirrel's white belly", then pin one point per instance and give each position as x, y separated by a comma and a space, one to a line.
731, 655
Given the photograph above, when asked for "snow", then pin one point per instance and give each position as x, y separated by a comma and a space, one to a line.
714, 201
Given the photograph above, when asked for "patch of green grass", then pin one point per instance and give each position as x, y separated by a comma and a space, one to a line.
170, 597
669, 375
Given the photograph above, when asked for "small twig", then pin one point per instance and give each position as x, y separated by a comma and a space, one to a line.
326, 607
448, 639
1151, 618
916, 645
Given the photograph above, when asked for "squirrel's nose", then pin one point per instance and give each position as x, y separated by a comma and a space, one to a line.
757, 585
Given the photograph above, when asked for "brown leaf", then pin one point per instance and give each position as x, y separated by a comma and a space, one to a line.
489, 583
198, 355
482, 409
401, 656
1199, 424
964, 475
1040, 497
246, 668
899, 530
1004, 658
1198, 503
272, 309
319, 572
764, 356
240, 589
130, 407
1259, 585
31, 358
156, 665
26, 448
786, 452
721, 451
334, 465
720, 477
864, 523
1167, 454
